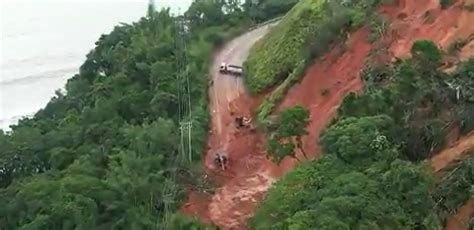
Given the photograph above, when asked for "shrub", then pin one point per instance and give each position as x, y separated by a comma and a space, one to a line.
457, 45
268, 105
445, 3
378, 26
426, 50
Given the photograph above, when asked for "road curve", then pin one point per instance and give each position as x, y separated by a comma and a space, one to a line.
227, 88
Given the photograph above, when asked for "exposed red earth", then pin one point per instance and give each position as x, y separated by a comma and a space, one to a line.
250, 174
453, 153
460, 221
339, 74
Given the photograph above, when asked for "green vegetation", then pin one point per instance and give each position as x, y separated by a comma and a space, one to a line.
445, 3
273, 59
268, 105
106, 153
423, 101
457, 45
263, 10
178, 221
314, 23
291, 127
455, 188
378, 25
357, 184
365, 178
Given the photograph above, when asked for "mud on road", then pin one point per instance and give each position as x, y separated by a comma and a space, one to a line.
250, 174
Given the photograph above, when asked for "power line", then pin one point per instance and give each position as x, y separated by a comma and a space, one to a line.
184, 90
185, 118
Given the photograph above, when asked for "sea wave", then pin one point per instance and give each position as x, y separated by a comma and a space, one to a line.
50, 74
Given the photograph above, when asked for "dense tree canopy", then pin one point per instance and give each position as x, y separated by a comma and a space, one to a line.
286, 138
261, 10
357, 184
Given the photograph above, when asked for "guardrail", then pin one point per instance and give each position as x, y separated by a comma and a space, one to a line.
266, 23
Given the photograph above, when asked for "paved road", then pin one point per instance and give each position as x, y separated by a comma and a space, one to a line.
227, 88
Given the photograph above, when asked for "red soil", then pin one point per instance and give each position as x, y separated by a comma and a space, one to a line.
336, 72
453, 153
460, 221
250, 174
424, 19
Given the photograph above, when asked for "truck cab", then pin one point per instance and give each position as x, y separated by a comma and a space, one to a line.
231, 69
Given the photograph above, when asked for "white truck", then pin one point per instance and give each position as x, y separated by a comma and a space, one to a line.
231, 69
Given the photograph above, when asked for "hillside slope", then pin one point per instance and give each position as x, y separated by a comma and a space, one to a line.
339, 71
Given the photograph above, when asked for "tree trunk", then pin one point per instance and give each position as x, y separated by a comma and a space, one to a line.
300, 146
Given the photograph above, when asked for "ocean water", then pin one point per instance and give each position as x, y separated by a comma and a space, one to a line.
43, 43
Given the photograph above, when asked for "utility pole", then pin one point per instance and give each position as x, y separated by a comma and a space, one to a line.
184, 91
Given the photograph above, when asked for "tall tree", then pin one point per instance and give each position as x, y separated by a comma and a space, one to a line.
292, 125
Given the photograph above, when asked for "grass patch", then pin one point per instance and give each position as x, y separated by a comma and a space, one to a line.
268, 105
